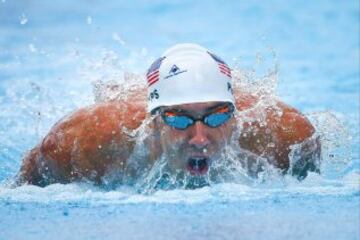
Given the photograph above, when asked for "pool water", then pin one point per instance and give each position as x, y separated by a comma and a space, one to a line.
53, 57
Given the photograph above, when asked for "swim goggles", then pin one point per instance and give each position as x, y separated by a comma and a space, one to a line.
182, 121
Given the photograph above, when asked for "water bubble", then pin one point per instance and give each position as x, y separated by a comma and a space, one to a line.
66, 212
23, 19
335, 142
259, 58
89, 20
117, 38
144, 52
32, 48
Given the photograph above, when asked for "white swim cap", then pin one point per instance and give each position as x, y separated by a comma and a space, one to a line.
188, 73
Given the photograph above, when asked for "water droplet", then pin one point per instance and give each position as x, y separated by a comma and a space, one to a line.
116, 37
23, 19
32, 48
144, 52
89, 20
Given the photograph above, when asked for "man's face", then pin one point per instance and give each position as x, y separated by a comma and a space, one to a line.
194, 148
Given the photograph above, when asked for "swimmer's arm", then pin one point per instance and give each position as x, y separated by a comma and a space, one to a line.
29, 172
298, 147
274, 137
85, 144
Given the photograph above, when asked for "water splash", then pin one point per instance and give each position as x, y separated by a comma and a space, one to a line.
32, 48
23, 19
336, 143
115, 84
27, 112
230, 166
112, 81
89, 20
117, 38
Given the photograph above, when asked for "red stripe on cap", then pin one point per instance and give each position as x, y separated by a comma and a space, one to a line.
224, 66
226, 73
152, 74
152, 82
224, 69
153, 77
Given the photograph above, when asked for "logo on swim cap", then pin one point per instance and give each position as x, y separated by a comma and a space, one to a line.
174, 70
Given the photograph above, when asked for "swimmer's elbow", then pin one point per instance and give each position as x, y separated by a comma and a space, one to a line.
29, 171
305, 158
299, 135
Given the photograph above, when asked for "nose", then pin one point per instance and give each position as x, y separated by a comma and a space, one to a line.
199, 137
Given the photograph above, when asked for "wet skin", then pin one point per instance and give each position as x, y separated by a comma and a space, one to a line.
92, 141
193, 148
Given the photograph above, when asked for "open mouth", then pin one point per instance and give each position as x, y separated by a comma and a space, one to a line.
198, 165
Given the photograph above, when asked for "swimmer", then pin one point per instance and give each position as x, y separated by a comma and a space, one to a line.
192, 113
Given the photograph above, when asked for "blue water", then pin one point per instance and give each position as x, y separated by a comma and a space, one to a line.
51, 53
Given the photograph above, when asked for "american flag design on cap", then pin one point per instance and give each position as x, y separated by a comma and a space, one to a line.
153, 73
223, 67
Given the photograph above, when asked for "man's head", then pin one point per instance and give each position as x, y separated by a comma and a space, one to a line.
190, 96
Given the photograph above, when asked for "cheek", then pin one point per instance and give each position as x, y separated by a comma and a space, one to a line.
230, 128
170, 138
173, 145
223, 134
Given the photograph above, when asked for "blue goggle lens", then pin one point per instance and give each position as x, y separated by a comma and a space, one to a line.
217, 119
179, 122
182, 122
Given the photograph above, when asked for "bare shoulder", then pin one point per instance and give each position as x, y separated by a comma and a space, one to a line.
271, 130
290, 124
102, 117
84, 143
287, 122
